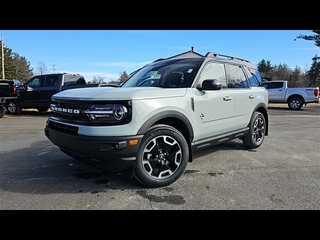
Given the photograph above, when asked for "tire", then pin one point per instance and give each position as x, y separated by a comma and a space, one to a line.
13, 108
2, 111
295, 103
257, 130
162, 157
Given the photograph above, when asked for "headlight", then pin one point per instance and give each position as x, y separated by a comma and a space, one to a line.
111, 113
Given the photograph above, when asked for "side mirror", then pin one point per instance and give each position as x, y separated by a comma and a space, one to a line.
210, 84
21, 87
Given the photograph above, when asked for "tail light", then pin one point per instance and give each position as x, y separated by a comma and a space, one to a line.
316, 92
14, 89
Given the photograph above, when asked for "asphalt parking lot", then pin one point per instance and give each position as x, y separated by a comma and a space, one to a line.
283, 174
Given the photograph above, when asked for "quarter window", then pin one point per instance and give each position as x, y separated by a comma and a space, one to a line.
255, 78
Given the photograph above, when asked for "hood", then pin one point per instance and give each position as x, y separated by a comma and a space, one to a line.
118, 93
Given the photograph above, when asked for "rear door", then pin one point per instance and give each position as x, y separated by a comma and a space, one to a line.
51, 86
244, 98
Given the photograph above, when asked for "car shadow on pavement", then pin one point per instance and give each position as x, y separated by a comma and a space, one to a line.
44, 169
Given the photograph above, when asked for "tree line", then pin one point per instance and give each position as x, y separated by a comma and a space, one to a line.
17, 67
296, 77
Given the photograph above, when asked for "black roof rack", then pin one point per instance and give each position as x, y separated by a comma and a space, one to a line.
228, 57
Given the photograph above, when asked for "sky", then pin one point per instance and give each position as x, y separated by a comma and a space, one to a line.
108, 53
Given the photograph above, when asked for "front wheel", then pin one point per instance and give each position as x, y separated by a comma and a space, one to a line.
162, 157
257, 130
13, 108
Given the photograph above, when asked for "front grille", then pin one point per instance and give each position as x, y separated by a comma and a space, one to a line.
63, 128
74, 112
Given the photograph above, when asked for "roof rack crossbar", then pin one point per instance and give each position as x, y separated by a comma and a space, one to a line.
217, 55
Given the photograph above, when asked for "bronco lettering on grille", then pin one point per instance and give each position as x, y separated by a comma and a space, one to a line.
54, 108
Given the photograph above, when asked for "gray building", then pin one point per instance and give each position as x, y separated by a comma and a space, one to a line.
187, 54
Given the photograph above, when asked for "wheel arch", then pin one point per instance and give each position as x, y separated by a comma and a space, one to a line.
174, 119
264, 110
296, 96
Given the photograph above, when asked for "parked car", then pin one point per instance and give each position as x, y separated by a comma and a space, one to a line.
279, 92
8, 93
37, 92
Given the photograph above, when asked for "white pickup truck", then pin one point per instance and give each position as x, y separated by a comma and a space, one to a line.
295, 97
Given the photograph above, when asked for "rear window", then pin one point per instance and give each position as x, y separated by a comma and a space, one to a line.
74, 79
272, 85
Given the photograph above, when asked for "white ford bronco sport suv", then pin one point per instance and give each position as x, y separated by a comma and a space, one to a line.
164, 112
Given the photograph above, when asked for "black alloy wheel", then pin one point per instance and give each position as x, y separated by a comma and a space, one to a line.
257, 130
162, 157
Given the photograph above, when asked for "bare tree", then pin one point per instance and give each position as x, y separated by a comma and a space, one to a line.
98, 79
42, 68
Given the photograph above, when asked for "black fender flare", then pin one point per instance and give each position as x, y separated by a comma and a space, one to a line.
165, 115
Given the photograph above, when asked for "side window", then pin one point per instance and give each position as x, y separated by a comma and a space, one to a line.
51, 81
214, 70
236, 77
36, 82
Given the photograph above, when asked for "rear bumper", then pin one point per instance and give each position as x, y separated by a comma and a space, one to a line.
6, 100
111, 154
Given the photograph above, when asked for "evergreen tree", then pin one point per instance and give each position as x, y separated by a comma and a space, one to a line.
15, 66
265, 68
295, 77
123, 77
23, 72
315, 37
314, 72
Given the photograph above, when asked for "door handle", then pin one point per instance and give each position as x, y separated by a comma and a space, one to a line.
227, 98
251, 97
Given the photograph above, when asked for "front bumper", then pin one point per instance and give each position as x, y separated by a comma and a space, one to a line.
111, 154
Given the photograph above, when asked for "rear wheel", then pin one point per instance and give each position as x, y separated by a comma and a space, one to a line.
295, 103
257, 130
162, 157
13, 108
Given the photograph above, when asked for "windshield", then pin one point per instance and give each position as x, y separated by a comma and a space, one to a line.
174, 73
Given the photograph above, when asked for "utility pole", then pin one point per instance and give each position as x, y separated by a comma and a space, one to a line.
2, 57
